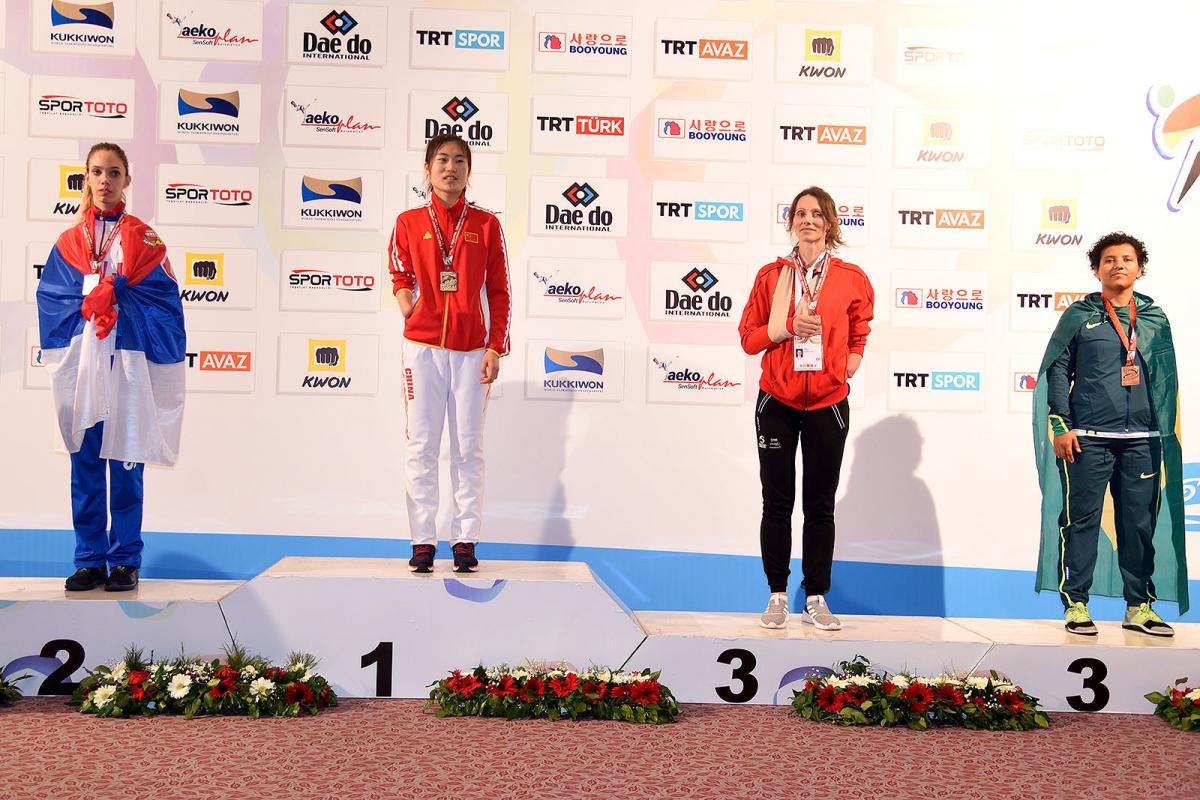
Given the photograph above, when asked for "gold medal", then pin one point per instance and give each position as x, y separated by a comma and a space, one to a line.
448, 280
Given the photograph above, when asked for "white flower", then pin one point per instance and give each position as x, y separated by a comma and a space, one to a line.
1193, 695
249, 671
261, 687
900, 681
519, 674
298, 666
862, 680
103, 696
197, 668
1005, 687
160, 668
180, 685
119, 671
838, 683
977, 682
606, 676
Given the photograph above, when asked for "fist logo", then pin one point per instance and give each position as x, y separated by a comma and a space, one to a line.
941, 131
75, 182
822, 46
1060, 214
204, 270
327, 356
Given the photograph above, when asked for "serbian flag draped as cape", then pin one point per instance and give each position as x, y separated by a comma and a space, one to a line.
133, 379
1156, 348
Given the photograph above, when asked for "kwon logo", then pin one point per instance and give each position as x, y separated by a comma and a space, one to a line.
583, 43
942, 140
320, 190
689, 379
64, 17
226, 104
589, 362
939, 381
1175, 135
199, 33
572, 293
326, 359
1024, 382
944, 218
1049, 301
702, 130
339, 45
327, 122
583, 125
61, 105
826, 134
220, 360
699, 301
460, 110
462, 39
70, 189
822, 50
702, 211
310, 278
722, 49
940, 299
1058, 217
207, 271
196, 193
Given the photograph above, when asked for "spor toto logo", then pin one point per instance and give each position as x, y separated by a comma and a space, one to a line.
217, 195
1175, 135
68, 105
311, 278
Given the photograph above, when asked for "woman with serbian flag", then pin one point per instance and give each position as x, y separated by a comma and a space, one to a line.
112, 338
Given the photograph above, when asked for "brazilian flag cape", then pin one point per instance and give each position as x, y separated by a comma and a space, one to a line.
1157, 350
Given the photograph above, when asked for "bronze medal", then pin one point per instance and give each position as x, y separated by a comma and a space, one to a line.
1131, 375
448, 280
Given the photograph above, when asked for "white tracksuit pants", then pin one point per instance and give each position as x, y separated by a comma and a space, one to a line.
443, 385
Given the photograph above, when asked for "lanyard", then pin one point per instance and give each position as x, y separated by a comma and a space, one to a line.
447, 253
1128, 342
811, 295
98, 256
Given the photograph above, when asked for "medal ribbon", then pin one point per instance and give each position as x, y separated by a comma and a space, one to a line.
447, 253
811, 295
1128, 342
97, 258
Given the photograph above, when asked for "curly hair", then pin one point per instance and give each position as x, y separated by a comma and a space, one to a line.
1118, 238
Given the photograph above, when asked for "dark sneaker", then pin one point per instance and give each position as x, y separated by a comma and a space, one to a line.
122, 579
464, 557
1143, 618
422, 558
1079, 621
86, 579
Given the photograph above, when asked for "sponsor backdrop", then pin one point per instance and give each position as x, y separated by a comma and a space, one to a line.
641, 161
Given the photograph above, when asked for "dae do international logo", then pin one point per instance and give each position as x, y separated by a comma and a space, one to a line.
579, 215
569, 371
699, 300
459, 111
338, 35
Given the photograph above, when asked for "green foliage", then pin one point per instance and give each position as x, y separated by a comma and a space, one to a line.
1180, 707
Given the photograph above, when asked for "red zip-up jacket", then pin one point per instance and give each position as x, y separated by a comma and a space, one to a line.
846, 307
453, 320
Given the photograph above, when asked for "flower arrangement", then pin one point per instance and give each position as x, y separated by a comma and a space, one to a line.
854, 695
554, 691
1178, 706
240, 684
9, 693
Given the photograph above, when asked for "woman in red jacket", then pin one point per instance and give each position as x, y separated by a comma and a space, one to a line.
449, 270
809, 315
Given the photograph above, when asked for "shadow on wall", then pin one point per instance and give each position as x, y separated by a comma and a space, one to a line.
888, 515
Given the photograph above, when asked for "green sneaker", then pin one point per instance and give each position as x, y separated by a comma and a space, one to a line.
1079, 620
1143, 618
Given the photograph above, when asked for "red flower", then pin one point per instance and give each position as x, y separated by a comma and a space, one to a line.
949, 694
274, 674
297, 693
1012, 701
137, 693
828, 699
594, 691
854, 696
618, 691
1176, 698
979, 701
645, 693
138, 677
888, 687
534, 688
809, 685
919, 696
468, 685
506, 687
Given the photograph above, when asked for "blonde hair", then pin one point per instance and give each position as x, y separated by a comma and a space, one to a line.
833, 236
86, 202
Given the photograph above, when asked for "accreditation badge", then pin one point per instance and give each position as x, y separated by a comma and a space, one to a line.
808, 353
448, 280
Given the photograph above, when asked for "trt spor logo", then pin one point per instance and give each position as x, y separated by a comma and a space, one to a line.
100, 15
462, 39
1175, 135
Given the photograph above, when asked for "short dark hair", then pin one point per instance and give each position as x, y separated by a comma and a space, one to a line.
1116, 238
443, 139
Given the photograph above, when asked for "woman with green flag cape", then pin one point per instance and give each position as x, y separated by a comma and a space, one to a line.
1106, 421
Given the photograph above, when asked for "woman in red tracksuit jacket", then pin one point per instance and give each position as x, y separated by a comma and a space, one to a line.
449, 268
809, 315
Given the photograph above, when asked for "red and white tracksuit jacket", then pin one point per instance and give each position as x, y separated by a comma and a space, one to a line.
445, 340
846, 307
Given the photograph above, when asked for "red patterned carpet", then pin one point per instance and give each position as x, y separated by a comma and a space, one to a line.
390, 749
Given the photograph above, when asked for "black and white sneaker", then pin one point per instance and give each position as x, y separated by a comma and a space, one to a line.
422, 558
122, 579
1079, 621
86, 579
1145, 619
464, 557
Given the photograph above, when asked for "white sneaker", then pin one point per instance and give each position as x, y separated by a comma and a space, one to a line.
776, 614
816, 613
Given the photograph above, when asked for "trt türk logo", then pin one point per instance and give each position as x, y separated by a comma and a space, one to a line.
1176, 133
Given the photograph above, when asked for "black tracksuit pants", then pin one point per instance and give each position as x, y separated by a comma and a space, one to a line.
821, 437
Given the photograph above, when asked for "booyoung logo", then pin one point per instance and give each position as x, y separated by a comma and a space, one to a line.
322, 116
695, 374
586, 288
225, 31
479, 118
1024, 382
579, 43
1175, 135
575, 125
207, 195
586, 207
702, 49
936, 299
446, 38
702, 130
336, 36
698, 211
314, 280
817, 135
940, 219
